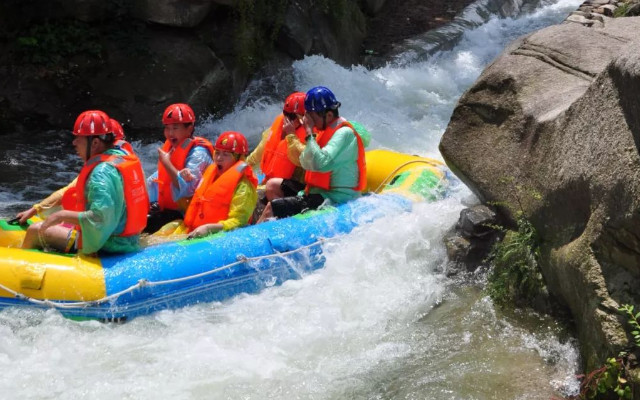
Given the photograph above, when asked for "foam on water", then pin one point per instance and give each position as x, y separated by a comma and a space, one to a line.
379, 321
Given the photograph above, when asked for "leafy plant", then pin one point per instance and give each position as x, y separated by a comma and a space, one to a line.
515, 277
627, 309
610, 380
621, 11
50, 43
606, 382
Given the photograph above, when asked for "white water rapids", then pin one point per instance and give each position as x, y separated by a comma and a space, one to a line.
380, 321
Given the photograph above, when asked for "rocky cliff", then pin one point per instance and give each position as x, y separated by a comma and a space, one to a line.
558, 115
132, 58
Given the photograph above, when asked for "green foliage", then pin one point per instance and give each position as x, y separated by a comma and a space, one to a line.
606, 382
627, 309
50, 43
515, 276
610, 380
622, 10
259, 22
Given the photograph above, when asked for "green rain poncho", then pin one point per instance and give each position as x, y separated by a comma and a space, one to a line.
339, 156
106, 212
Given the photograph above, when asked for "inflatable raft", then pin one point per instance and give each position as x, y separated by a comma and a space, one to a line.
214, 268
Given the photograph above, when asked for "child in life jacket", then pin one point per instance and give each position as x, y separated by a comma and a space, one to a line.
280, 163
227, 195
182, 160
106, 208
53, 202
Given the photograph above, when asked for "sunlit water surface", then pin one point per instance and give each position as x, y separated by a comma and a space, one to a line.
380, 321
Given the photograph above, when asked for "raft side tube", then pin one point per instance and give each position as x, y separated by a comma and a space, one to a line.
50, 276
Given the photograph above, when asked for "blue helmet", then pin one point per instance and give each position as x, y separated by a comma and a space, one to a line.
320, 99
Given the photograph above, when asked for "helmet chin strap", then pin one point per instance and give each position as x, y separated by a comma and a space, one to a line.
89, 141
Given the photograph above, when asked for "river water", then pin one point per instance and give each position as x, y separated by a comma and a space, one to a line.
380, 321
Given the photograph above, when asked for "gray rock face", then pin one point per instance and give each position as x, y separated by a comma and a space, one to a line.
309, 30
558, 113
190, 53
173, 12
373, 6
180, 70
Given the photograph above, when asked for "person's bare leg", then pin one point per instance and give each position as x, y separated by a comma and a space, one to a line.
273, 190
266, 214
31, 240
55, 237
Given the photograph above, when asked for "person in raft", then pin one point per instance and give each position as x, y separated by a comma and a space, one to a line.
227, 194
54, 201
278, 161
107, 208
334, 160
181, 162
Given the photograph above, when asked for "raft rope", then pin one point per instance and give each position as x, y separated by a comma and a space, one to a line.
142, 283
395, 171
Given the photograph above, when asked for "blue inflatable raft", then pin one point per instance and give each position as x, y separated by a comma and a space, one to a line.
214, 268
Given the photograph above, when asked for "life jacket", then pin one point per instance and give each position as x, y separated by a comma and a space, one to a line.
178, 159
212, 200
124, 146
275, 163
135, 191
323, 179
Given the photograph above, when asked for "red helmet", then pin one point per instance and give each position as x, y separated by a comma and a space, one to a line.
294, 103
178, 113
92, 123
234, 142
117, 129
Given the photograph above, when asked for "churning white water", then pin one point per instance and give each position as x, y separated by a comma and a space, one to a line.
380, 321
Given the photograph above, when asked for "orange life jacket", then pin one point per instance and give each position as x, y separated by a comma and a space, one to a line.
124, 146
178, 159
135, 191
275, 163
212, 200
323, 179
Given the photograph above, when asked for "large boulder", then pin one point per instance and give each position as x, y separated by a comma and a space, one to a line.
132, 84
336, 32
552, 128
133, 58
179, 13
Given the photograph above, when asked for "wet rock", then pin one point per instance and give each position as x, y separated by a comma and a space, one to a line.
373, 6
633, 11
469, 244
185, 14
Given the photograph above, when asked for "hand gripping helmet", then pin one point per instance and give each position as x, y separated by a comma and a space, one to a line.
234, 142
178, 113
116, 129
320, 99
294, 104
92, 123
